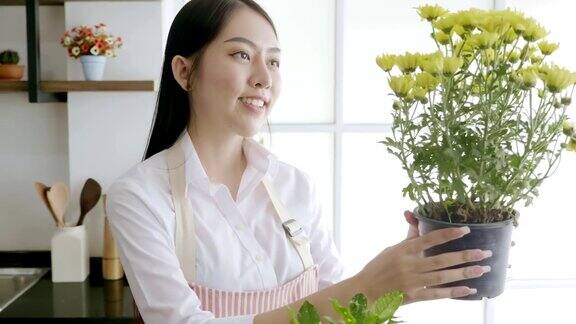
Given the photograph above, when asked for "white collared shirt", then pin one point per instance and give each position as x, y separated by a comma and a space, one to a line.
241, 245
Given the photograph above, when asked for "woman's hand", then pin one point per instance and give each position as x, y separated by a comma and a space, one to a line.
413, 225
403, 267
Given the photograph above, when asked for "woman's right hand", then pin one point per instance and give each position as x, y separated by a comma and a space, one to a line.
403, 267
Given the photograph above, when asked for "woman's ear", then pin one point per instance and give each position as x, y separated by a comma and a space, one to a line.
181, 69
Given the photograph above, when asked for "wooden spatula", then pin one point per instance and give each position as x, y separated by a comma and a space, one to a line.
88, 198
58, 199
41, 190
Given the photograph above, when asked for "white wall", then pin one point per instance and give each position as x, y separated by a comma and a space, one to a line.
33, 137
96, 134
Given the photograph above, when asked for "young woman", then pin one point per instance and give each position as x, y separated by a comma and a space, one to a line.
211, 227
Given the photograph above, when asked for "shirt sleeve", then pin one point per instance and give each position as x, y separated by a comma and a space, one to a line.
322, 246
148, 257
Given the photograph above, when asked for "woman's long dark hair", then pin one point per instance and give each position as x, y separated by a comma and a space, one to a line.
193, 28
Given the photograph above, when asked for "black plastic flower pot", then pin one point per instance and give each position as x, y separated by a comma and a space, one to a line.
492, 236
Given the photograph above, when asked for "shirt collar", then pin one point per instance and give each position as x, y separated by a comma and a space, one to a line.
257, 157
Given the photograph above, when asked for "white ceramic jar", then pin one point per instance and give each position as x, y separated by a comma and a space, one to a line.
70, 254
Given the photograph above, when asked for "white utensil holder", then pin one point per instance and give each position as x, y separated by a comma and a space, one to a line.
70, 254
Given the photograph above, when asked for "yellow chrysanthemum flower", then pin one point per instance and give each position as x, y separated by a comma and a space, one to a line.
514, 57
556, 78
512, 20
431, 13
547, 48
509, 37
494, 21
432, 63
420, 94
441, 37
427, 81
401, 85
445, 23
386, 61
534, 31
536, 59
464, 48
408, 62
460, 31
469, 19
527, 78
451, 65
409, 98
484, 40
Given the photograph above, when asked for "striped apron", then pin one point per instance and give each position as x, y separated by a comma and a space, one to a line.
233, 303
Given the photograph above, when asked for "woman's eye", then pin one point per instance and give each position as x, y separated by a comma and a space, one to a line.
275, 63
242, 55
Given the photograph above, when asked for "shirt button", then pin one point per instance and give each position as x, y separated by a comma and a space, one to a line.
259, 258
239, 227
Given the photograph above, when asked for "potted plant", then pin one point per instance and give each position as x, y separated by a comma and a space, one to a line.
9, 68
477, 126
381, 311
92, 46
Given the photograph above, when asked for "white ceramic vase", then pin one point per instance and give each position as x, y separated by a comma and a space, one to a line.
93, 66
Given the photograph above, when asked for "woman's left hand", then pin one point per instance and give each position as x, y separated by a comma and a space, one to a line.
413, 228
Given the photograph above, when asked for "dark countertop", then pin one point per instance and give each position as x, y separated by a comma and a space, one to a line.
94, 300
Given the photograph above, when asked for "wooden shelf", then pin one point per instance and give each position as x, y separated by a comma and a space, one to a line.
68, 86
59, 2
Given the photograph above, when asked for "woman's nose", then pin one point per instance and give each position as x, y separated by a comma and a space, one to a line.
261, 77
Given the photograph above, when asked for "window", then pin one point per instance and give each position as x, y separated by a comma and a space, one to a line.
334, 109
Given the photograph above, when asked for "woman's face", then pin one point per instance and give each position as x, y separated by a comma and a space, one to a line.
238, 79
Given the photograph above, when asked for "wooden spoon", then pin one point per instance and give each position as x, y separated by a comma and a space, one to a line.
88, 198
41, 189
58, 199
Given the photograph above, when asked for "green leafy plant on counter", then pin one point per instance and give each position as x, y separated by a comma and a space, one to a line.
358, 311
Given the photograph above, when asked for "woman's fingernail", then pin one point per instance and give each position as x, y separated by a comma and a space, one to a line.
465, 229
486, 269
473, 291
487, 253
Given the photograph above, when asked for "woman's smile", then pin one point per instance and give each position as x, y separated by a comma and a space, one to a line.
256, 105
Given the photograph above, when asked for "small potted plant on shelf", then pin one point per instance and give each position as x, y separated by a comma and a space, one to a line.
478, 125
9, 68
92, 46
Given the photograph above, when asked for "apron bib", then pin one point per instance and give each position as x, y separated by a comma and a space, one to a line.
233, 303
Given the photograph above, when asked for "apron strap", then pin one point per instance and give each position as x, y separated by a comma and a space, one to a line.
185, 244
292, 227
185, 230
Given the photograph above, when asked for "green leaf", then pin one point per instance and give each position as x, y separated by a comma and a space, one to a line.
293, 316
385, 306
358, 306
344, 312
308, 314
